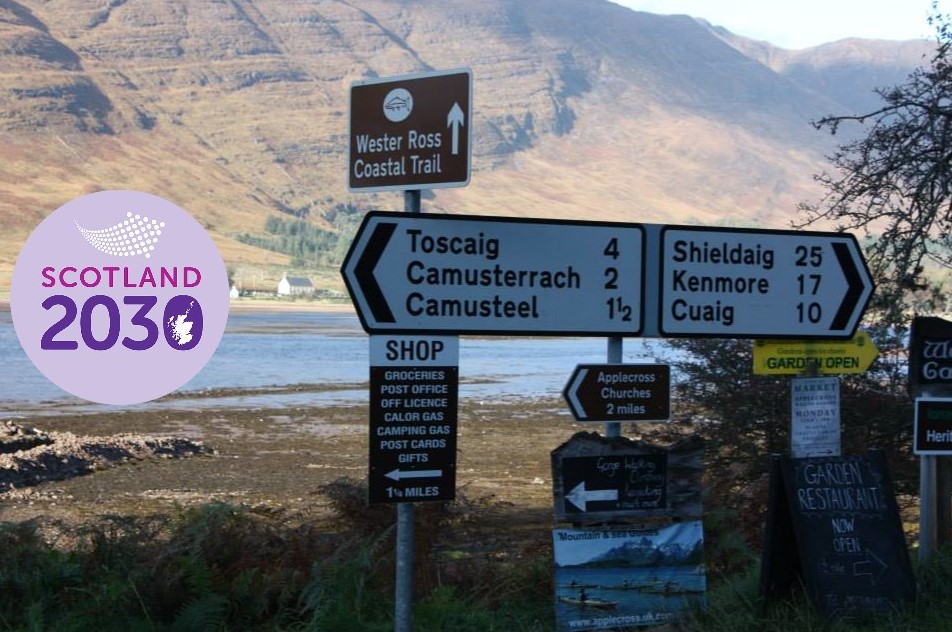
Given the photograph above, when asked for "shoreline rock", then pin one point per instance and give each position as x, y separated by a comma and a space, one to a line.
29, 456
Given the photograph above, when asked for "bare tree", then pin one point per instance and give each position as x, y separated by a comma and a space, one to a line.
895, 183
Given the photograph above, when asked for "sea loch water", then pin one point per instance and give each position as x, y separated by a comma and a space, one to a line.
275, 348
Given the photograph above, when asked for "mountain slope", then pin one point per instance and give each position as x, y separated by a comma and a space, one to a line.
238, 109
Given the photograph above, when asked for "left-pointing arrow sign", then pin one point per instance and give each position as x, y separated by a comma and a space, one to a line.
580, 497
619, 392
412, 274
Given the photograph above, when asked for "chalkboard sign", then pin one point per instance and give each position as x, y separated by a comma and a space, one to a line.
833, 524
602, 478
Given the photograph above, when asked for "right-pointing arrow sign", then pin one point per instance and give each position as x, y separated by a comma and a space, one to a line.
746, 283
872, 566
580, 497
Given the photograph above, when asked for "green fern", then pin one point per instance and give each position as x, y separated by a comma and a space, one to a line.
206, 613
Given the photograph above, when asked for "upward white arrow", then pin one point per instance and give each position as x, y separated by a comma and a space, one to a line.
455, 119
579, 496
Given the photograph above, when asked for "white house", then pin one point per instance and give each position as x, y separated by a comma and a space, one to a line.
294, 285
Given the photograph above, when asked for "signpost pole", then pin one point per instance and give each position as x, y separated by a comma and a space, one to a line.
927, 505
411, 201
403, 609
615, 347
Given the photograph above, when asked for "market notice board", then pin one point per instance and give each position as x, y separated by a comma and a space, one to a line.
815, 416
833, 524
414, 397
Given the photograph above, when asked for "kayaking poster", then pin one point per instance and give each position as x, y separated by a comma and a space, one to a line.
609, 578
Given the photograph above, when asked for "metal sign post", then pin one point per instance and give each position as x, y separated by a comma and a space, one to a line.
615, 352
410, 133
930, 377
403, 608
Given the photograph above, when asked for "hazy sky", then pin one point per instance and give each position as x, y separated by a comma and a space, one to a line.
803, 23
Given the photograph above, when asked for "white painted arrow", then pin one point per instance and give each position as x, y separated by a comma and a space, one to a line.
580, 496
398, 474
454, 119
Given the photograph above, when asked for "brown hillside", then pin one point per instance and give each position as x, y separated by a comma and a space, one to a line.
238, 109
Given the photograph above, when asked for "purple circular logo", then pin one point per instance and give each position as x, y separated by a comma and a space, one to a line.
119, 297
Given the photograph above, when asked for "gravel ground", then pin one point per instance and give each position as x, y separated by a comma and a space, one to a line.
79, 467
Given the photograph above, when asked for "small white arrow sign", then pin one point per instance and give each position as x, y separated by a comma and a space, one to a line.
398, 475
579, 496
454, 120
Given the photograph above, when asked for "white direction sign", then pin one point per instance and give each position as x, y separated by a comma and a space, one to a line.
736, 283
411, 273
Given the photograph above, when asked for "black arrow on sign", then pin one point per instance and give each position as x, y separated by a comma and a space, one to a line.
364, 272
853, 280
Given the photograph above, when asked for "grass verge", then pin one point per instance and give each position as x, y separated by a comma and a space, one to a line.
220, 568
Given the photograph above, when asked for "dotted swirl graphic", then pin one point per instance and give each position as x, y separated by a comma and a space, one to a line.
132, 237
